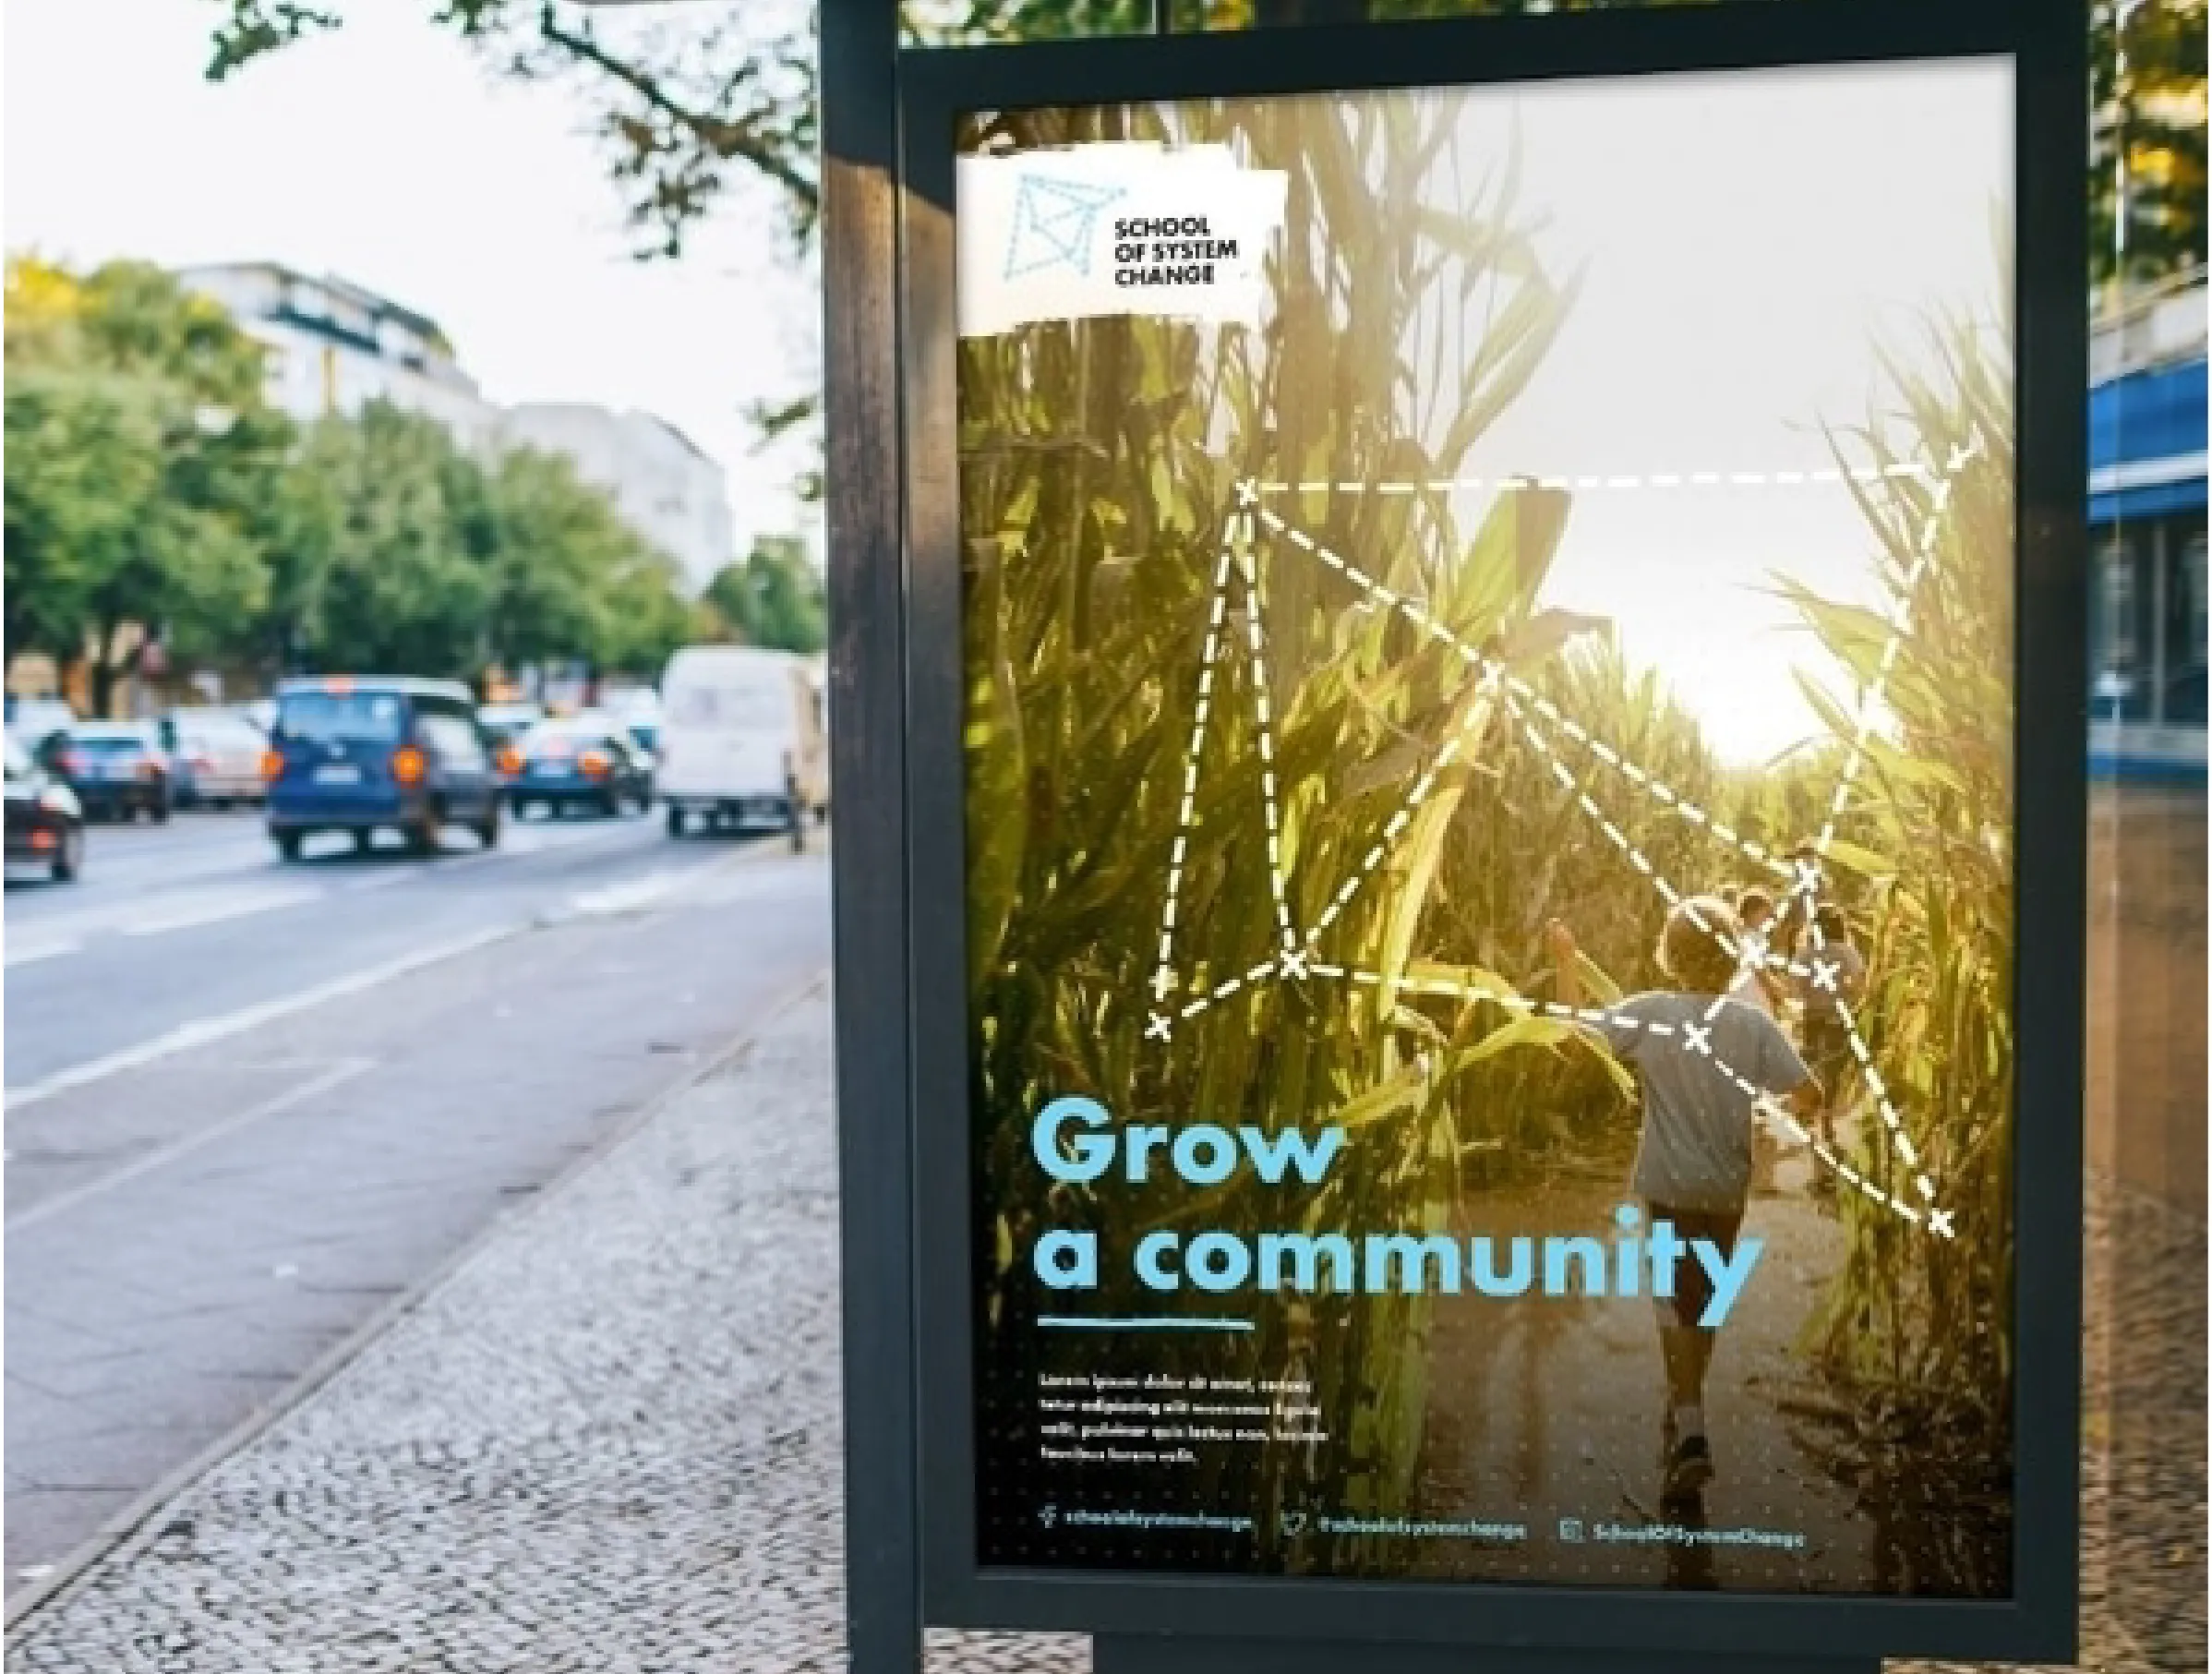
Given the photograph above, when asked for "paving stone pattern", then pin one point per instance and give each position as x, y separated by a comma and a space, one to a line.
610, 1444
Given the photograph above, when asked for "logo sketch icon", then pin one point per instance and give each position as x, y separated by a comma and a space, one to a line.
1053, 220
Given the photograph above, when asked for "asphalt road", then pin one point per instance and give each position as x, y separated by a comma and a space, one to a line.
249, 1104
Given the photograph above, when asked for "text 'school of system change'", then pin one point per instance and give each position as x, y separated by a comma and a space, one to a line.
1167, 250
1068, 1146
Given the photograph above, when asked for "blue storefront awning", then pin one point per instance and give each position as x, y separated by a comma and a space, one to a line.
2147, 415
2146, 443
2149, 500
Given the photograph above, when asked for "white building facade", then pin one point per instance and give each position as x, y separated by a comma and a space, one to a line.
665, 488
333, 347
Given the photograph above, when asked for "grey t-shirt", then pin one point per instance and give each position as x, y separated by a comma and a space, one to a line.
1696, 1150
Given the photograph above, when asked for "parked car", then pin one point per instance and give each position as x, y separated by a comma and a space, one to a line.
639, 710
504, 723
216, 755
46, 822
33, 720
583, 761
503, 726
119, 769
379, 753
742, 740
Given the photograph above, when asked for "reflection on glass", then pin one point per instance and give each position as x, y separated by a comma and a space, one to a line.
1540, 701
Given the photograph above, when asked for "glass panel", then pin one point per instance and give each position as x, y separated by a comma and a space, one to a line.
1431, 563
332, 718
2181, 633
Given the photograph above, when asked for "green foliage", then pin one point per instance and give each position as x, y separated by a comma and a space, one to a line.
398, 550
1526, 851
1922, 1326
774, 598
2147, 81
84, 460
401, 586
139, 451
151, 493
1099, 465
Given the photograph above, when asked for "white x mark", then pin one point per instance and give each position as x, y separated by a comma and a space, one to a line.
1247, 494
1698, 1038
1155, 1027
1164, 983
1293, 962
1808, 877
1825, 973
1938, 1223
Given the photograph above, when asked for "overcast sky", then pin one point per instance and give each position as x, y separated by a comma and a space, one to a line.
387, 155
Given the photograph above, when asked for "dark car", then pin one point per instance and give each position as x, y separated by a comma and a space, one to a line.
119, 769
503, 726
367, 754
583, 761
46, 823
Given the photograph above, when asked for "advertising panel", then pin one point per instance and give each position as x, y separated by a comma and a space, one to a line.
1488, 728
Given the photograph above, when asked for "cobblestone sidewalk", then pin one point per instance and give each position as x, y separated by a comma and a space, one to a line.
608, 1443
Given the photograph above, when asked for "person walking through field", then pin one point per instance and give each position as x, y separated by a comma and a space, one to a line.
1699, 1056
1834, 978
1756, 983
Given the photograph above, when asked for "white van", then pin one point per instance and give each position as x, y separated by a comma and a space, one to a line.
743, 740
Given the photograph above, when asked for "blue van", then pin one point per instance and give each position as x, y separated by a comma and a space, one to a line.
369, 755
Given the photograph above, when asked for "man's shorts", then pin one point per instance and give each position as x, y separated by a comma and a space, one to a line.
1828, 1055
1693, 1287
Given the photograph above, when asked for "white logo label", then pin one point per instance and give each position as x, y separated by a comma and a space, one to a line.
1093, 230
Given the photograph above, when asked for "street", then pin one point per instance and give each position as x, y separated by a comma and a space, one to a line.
250, 1104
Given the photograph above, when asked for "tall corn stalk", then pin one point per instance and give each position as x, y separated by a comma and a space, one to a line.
1918, 1326
1100, 466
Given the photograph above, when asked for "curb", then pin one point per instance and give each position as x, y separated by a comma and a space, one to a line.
124, 1528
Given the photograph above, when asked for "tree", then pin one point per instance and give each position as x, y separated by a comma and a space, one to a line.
82, 465
140, 453
649, 614
681, 106
42, 304
2147, 64
395, 549
773, 598
556, 545
399, 587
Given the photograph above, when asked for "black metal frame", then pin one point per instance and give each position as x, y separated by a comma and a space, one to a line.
896, 683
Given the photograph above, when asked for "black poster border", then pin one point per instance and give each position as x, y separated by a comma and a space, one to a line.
2046, 41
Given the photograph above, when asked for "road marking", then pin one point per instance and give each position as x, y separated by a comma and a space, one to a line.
217, 907
180, 904
625, 896
345, 1069
186, 1036
32, 952
210, 1029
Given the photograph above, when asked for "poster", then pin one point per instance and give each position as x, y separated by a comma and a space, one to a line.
1489, 832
